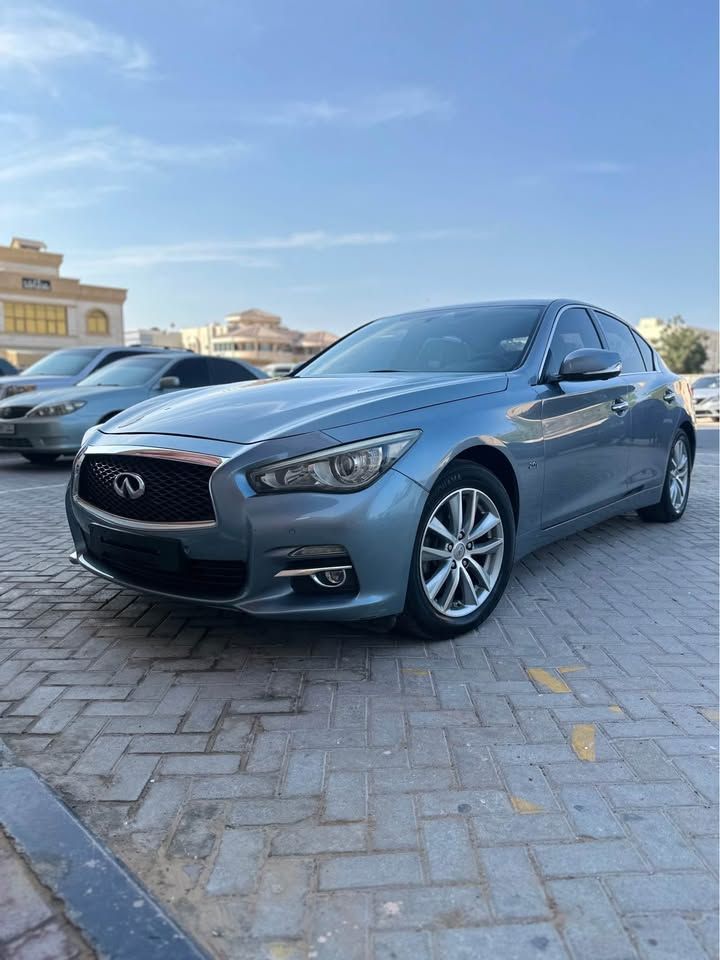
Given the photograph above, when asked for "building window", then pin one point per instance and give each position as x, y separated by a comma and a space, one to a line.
37, 319
98, 322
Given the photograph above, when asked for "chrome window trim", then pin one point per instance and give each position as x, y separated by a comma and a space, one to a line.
159, 453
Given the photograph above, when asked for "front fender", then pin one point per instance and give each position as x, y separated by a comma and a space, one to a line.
451, 429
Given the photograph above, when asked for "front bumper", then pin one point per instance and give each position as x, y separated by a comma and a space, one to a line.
45, 434
376, 526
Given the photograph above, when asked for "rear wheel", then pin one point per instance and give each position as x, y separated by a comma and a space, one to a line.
676, 488
463, 553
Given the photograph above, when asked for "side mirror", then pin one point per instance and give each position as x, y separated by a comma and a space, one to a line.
168, 383
589, 364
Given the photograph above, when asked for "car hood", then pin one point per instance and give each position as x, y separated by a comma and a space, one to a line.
267, 409
108, 397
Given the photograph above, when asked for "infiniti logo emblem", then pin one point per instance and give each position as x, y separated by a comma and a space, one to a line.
130, 486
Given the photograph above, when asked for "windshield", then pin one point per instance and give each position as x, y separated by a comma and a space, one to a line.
64, 363
131, 372
478, 339
707, 382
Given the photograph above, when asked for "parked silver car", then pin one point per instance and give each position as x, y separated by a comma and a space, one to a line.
402, 471
46, 424
63, 368
706, 391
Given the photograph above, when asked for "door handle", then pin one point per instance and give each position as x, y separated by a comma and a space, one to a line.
620, 406
669, 396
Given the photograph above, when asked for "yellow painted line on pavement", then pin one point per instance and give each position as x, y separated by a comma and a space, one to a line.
415, 671
614, 708
548, 680
572, 669
520, 805
710, 714
583, 741
283, 951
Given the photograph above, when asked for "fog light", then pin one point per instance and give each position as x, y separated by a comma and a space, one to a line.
330, 578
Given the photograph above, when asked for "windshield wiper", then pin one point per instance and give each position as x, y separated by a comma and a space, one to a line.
387, 370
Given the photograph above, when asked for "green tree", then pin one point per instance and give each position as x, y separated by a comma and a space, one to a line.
682, 348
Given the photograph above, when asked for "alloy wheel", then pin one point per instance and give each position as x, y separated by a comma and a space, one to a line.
679, 474
461, 552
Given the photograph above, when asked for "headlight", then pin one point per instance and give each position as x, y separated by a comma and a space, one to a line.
350, 467
16, 388
57, 409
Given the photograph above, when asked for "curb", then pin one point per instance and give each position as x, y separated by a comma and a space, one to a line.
113, 911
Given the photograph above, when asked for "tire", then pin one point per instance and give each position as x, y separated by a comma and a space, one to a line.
422, 615
41, 459
669, 509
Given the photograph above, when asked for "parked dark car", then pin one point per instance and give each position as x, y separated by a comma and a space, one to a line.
401, 472
7, 369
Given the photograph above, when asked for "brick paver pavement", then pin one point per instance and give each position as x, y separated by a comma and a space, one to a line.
544, 788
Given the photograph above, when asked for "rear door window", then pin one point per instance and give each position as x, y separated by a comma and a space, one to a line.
191, 372
620, 339
226, 371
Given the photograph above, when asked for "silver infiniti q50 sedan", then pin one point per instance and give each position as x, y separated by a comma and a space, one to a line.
400, 472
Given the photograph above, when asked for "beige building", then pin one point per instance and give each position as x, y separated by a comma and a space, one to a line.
154, 337
652, 329
257, 337
40, 311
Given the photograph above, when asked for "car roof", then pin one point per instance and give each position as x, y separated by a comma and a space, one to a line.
539, 302
169, 354
139, 348
542, 303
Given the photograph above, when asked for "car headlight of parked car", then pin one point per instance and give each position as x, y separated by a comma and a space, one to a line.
15, 388
57, 409
346, 468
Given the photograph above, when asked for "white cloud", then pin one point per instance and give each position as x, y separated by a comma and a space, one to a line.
245, 252
34, 37
107, 150
48, 201
242, 252
404, 103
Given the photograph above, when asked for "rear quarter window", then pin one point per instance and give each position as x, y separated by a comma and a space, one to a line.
646, 351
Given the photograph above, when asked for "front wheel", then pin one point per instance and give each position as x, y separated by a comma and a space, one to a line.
463, 553
676, 488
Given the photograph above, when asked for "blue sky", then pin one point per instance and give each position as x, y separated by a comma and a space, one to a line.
334, 160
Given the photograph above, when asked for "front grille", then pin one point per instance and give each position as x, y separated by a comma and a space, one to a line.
175, 491
14, 413
215, 579
14, 442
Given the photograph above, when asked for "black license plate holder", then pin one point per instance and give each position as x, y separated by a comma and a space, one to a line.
146, 553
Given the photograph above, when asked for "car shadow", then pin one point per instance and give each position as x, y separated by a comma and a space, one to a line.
11, 462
